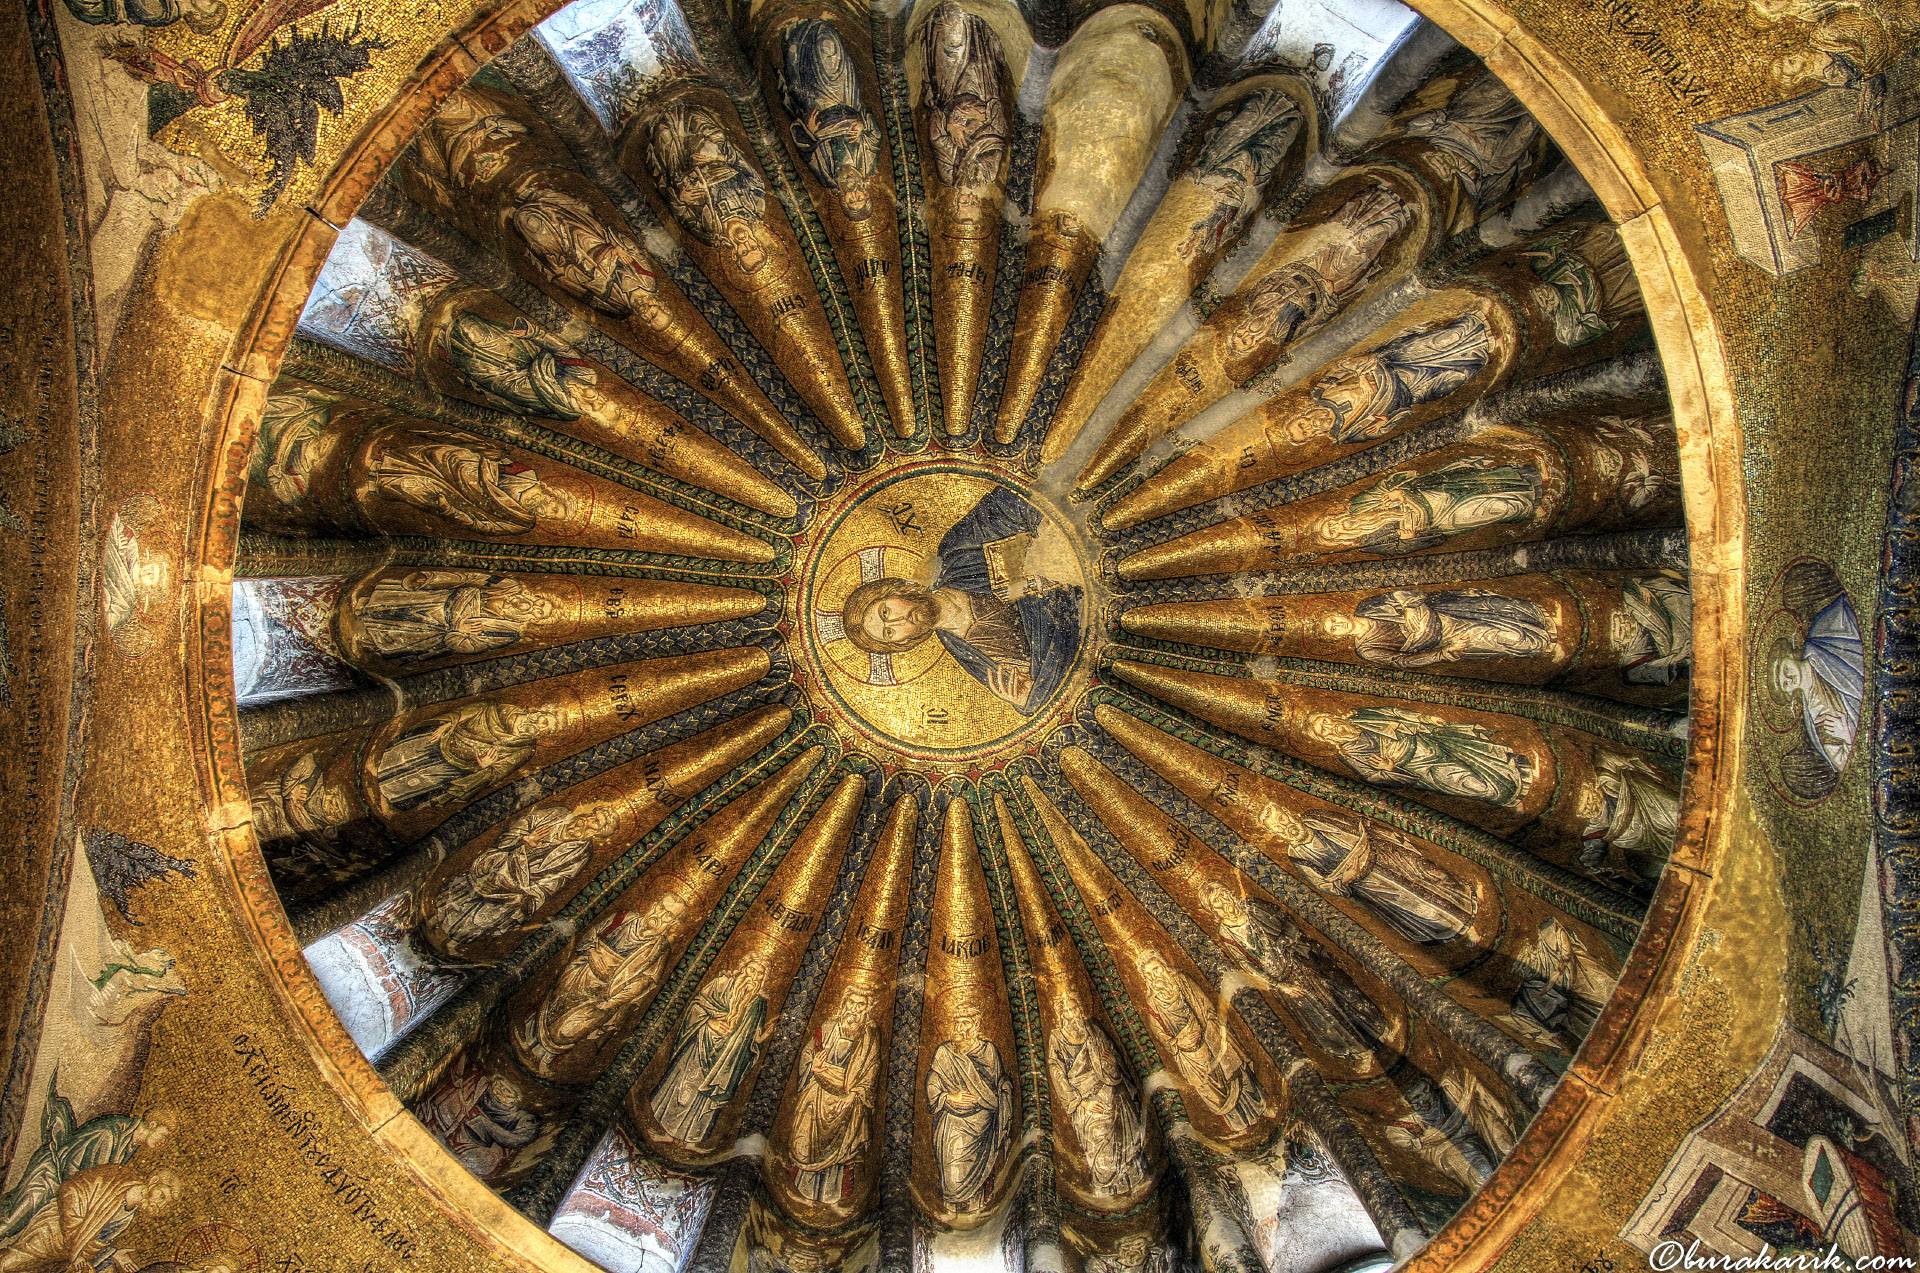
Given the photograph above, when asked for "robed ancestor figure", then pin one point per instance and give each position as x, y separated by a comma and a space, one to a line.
720, 1038
833, 1098
970, 1098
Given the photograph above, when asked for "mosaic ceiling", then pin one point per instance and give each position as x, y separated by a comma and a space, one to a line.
893, 639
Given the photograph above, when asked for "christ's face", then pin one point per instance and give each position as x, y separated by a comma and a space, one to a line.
896, 619
1789, 676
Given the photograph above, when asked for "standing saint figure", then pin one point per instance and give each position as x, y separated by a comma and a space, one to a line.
1570, 291
834, 132
536, 856
1437, 1131
1407, 628
428, 614
1408, 511
467, 142
720, 1039
584, 256
1654, 630
1381, 869
1328, 1003
481, 1118
527, 370
966, 115
604, 986
1633, 820
1485, 133
833, 1099
1492, 1118
1244, 146
1136, 1253
1201, 1046
1398, 747
1364, 398
710, 186
454, 755
476, 485
1562, 989
1102, 1104
1303, 294
1016, 635
970, 1099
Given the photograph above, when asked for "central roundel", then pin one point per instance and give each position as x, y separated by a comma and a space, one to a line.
944, 610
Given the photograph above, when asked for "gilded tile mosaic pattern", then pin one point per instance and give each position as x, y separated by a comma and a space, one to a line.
984, 649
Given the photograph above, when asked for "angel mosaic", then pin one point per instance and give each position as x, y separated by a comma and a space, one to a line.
834, 1097
478, 486
1380, 869
712, 189
1200, 1045
835, 133
966, 112
1019, 638
1399, 747
452, 756
719, 1040
429, 614
1303, 294
537, 855
1818, 671
1329, 1005
1654, 630
297, 77
605, 985
1365, 398
1101, 1102
1244, 146
971, 1102
1409, 511
584, 256
134, 576
1408, 628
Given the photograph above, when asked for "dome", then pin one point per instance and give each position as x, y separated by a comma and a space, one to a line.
959, 638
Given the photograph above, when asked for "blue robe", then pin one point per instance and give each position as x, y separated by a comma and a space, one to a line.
1050, 619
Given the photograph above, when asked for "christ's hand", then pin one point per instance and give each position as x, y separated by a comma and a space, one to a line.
1012, 685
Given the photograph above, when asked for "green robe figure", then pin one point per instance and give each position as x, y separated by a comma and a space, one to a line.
1394, 747
1571, 294
720, 1039
1407, 512
67, 1148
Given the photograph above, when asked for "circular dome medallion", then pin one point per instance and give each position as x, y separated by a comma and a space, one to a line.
944, 611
